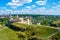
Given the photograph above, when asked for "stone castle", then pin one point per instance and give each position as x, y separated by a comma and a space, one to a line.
26, 20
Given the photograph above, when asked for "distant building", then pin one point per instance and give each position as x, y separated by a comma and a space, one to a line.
2, 16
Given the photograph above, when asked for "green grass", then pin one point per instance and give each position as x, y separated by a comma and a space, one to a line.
57, 23
40, 31
56, 37
8, 34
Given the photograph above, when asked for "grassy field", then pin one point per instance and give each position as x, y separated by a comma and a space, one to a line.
38, 31
57, 23
8, 34
26, 32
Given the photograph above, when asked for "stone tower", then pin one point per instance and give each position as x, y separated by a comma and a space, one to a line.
28, 20
10, 16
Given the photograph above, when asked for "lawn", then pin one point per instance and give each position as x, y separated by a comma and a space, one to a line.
35, 30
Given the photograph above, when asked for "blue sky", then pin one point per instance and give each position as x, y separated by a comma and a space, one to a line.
45, 7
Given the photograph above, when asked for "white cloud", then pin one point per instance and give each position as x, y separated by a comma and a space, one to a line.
40, 2
33, 6
54, 11
36, 11
16, 3
30, 7
26, 1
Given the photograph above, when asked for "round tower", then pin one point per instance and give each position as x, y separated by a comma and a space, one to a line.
10, 16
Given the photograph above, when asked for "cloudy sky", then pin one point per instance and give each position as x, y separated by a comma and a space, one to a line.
44, 7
